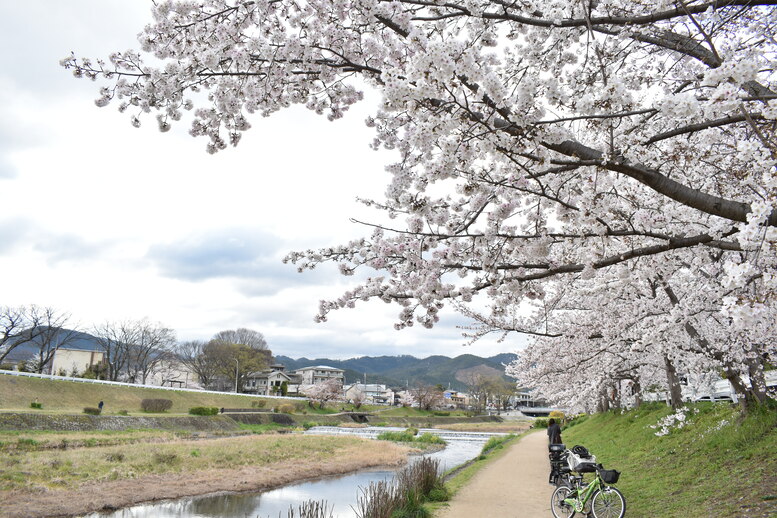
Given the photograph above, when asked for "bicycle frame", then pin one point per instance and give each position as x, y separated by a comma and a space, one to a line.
583, 495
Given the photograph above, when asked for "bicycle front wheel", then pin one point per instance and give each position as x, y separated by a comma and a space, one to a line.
608, 503
560, 508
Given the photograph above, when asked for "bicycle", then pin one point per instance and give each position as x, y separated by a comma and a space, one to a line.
575, 495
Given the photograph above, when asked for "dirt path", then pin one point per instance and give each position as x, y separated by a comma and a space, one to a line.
513, 486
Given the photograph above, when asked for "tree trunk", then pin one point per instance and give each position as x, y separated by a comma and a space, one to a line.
673, 381
757, 380
636, 390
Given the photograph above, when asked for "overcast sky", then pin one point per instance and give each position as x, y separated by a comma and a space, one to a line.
108, 222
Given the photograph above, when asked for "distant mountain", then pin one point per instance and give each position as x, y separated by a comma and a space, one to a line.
401, 371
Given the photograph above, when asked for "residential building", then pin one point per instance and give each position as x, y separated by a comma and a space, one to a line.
375, 394
269, 382
319, 374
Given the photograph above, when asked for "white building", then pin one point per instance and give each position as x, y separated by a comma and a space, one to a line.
319, 374
374, 393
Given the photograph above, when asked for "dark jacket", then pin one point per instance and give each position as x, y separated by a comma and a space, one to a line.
554, 433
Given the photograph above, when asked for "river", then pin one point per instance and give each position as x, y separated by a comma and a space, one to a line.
339, 491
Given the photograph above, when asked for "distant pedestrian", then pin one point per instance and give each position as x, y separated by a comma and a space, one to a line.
100, 406
554, 432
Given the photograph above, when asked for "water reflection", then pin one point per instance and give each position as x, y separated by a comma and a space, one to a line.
338, 491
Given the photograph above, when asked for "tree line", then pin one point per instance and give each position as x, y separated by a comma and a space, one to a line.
132, 350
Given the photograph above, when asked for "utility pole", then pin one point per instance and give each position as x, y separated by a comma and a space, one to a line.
237, 372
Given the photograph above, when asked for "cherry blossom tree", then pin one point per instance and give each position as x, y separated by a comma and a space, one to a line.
406, 399
321, 393
543, 149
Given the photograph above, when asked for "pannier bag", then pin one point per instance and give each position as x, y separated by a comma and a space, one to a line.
609, 476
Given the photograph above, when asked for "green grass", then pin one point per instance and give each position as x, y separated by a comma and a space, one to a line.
265, 428
719, 464
408, 436
58, 396
417, 412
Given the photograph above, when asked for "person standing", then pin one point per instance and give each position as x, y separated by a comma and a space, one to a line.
100, 406
554, 432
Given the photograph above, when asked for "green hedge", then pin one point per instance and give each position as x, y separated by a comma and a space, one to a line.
204, 410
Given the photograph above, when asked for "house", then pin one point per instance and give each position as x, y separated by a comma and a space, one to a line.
455, 399
319, 374
64, 352
269, 382
374, 393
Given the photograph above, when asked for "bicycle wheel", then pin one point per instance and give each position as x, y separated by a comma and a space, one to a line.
560, 508
608, 503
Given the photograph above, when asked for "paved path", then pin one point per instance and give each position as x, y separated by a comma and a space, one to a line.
513, 486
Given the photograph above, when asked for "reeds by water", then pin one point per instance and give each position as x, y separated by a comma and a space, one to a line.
404, 495
311, 509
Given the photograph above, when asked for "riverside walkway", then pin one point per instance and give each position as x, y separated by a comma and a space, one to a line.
513, 486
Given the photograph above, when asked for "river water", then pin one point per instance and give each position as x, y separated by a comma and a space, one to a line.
338, 491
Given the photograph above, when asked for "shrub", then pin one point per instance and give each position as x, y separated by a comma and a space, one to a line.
35, 404
23, 442
122, 412
429, 438
286, 408
156, 405
540, 423
258, 403
92, 410
439, 494
440, 413
204, 410
413, 431
556, 414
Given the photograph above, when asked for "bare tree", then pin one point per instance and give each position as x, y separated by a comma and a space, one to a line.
152, 345
47, 332
192, 355
39, 328
427, 396
114, 339
12, 323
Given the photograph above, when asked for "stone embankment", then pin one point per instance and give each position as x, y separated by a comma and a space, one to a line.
220, 423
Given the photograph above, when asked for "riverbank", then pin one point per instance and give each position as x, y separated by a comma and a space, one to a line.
37, 484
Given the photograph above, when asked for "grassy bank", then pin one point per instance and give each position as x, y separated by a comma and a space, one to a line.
17, 392
75, 480
34, 470
717, 464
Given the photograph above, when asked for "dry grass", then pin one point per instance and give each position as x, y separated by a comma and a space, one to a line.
40, 470
43, 483
505, 427
352, 425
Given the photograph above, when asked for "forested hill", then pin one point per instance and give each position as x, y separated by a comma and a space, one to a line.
400, 371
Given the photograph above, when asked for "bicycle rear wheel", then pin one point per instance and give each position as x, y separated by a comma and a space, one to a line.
560, 508
608, 503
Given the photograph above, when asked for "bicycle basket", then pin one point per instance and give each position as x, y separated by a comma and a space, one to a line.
609, 476
582, 465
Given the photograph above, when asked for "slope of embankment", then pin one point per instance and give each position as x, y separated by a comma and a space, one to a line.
718, 463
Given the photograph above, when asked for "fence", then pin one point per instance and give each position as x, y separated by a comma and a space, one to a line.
136, 385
